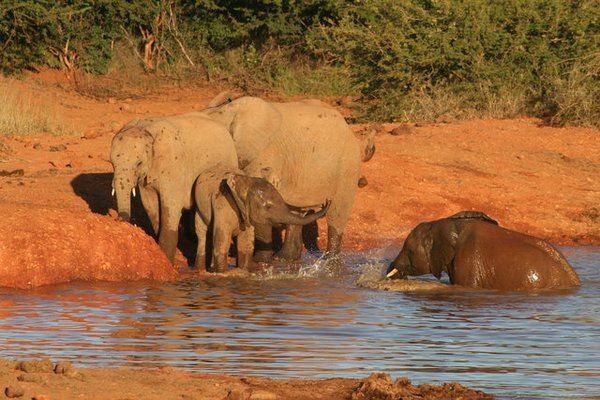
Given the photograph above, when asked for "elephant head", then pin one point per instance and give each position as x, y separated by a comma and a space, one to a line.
430, 247
260, 203
131, 156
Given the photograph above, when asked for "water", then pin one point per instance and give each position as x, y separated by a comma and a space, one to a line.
317, 324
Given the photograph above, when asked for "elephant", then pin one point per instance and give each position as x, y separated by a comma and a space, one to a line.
312, 155
232, 203
163, 157
476, 252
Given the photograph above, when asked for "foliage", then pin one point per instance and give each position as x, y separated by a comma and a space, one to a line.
402, 49
413, 59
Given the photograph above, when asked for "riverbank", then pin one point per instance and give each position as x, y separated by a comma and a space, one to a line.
530, 177
43, 380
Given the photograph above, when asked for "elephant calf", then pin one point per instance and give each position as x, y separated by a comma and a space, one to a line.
231, 203
475, 252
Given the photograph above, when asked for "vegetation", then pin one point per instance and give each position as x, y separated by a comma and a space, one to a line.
404, 60
22, 112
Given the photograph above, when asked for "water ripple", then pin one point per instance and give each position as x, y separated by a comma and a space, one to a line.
313, 322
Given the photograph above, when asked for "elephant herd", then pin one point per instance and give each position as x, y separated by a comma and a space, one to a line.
245, 165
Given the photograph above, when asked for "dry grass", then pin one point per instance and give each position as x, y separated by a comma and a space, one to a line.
24, 111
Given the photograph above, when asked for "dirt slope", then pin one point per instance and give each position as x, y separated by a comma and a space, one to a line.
530, 177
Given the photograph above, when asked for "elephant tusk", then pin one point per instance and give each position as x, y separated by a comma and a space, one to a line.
133, 191
112, 193
392, 273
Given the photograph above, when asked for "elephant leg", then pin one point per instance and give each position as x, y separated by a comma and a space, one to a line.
245, 248
201, 231
337, 218
169, 229
334, 241
221, 242
149, 198
310, 237
263, 250
292, 245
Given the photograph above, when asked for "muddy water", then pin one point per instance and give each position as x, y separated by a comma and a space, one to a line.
315, 323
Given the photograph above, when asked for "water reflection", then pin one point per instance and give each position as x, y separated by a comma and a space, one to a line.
314, 323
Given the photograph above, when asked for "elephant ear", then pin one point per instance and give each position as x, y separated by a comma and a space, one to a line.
165, 148
441, 256
239, 192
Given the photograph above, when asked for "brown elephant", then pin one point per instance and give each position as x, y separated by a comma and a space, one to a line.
475, 252
163, 157
311, 153
232, 203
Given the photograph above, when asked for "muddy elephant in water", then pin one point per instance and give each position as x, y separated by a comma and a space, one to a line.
312, 155
163, 157
475, 252
231, 203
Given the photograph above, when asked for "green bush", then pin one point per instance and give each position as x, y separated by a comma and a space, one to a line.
400, 51
407, 60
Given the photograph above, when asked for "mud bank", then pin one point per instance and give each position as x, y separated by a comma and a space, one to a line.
44, 380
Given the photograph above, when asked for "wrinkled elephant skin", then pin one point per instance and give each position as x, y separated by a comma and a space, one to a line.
475, 252
307, 151
162, 157
232, 203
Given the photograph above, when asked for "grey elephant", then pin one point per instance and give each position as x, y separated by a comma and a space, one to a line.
475, 252
163, 157
312, 155
232, 203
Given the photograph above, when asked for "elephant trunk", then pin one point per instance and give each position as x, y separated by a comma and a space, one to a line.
398, 269
302, 216
123, 189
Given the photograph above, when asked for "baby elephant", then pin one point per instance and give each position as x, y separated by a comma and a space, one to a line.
230, 203
475, 252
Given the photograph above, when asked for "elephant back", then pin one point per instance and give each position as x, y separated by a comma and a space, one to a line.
252, 123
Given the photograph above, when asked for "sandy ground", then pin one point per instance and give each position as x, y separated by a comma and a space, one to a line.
56, 206
43, 380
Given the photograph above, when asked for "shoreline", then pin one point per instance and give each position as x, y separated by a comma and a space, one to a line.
40, 379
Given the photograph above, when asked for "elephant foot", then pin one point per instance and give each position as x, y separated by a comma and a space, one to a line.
289, 255
263, 256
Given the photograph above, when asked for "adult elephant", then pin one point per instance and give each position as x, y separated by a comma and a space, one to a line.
310, 153
475, 252
163, 157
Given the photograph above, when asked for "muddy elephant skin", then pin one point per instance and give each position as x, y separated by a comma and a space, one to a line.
475, 252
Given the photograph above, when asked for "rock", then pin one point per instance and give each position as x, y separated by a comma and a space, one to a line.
403, 129
35, 378
14, 172
43, 365
362, 182
239, 394
59, 147
13, 391
38, 146
63, 367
